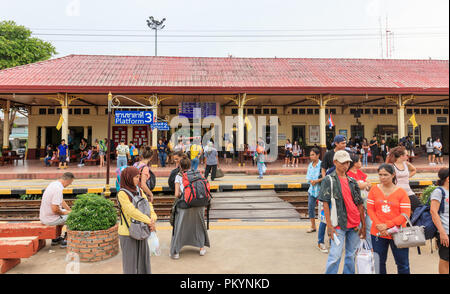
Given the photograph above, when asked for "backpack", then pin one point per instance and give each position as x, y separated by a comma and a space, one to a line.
196, 192
103, 146
118, 173
151, 182
171, 180
422, 217
138, 230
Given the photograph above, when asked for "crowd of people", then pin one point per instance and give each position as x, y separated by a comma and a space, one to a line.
351, 208
84, 152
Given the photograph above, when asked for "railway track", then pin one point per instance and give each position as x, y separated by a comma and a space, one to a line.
267, 204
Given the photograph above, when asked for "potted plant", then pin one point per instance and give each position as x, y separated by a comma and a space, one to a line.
92, 230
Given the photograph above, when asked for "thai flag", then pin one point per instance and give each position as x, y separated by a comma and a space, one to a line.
330, 122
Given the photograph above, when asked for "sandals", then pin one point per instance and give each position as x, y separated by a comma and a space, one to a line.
311, 230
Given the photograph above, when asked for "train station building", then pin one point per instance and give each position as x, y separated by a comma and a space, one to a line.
362, 96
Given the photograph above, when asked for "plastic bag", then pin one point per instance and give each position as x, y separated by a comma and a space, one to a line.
153, 244
365, 261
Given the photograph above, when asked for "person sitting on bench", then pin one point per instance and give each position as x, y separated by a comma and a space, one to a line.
54, 210
86, 155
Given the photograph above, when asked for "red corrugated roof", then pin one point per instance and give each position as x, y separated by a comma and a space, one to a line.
137, 74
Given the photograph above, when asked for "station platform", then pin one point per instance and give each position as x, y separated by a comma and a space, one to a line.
35, 169
230, 182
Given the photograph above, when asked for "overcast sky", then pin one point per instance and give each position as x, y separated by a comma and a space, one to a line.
242, 28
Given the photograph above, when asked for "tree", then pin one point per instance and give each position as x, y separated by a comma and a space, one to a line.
17, 47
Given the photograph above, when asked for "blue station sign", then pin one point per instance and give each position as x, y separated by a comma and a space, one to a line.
133, 117
162, 126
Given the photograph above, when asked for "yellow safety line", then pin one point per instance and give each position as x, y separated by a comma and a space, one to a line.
5, 192
245, 227
267, 186
235, 187
33, 191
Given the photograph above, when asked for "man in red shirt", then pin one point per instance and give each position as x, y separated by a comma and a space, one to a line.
346, 220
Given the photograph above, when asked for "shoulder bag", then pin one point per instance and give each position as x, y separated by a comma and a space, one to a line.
412, 236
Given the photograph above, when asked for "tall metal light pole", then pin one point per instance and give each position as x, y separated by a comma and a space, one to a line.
155, 25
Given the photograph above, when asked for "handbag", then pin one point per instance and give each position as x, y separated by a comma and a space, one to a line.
412, 236
138, 230
365, 260
333, 214
219, 173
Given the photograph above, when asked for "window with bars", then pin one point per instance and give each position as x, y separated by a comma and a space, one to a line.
273, 111
51, 111
309, 111
86, 110
266, 111
234, 111
258, 111
366, 110
294, 110
382, 111
42, 111
301, 111
172, 111
250, 111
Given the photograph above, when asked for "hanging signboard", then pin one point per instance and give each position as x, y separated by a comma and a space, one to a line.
162, 126
205, 109
133, 117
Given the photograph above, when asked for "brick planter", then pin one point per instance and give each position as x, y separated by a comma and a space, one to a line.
94, 246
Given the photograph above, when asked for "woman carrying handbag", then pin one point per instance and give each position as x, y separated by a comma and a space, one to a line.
386, 205
135, 252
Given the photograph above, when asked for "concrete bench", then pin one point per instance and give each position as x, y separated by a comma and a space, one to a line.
12, 249
22, 240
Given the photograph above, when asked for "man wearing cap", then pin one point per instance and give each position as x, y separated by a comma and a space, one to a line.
345, 219
339, 143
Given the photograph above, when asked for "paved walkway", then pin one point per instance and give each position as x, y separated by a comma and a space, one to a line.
236, 248
228, 179
35, 169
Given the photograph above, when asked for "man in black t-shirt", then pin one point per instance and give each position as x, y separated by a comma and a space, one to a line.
374, 149
339, 143
177, 156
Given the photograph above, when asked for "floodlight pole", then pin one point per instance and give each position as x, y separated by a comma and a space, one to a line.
155, 25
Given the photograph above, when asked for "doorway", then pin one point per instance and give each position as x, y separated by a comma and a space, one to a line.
298, 134
330, 134
440, 131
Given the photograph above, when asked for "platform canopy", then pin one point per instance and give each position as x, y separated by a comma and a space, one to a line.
276, 81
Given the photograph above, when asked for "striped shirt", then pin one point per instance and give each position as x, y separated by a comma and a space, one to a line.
387, 209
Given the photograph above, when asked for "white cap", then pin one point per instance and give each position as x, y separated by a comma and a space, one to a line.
342, 156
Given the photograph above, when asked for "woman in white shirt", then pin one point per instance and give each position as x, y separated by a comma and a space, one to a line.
437, 145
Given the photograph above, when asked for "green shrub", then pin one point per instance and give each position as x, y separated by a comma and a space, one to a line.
91, 212
427, 193
30, 197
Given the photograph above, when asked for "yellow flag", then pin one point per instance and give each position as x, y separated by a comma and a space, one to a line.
247, 122
60, 122
412, 119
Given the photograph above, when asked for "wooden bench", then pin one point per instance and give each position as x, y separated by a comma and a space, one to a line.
22, 240
92, 161
54, 162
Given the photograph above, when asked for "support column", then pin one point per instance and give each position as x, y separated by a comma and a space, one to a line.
43, 138
65, 124
323, 126
85, 132
6, 125
400, 102
240, 101
155, 131
401, 121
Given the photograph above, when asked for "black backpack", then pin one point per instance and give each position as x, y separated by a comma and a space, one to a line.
151, 182
171, 180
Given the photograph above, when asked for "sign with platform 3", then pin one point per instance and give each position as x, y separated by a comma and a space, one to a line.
133, 117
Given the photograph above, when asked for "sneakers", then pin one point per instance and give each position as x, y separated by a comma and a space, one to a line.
63, 244
57, 241
202, 252
322, 248
175, 256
